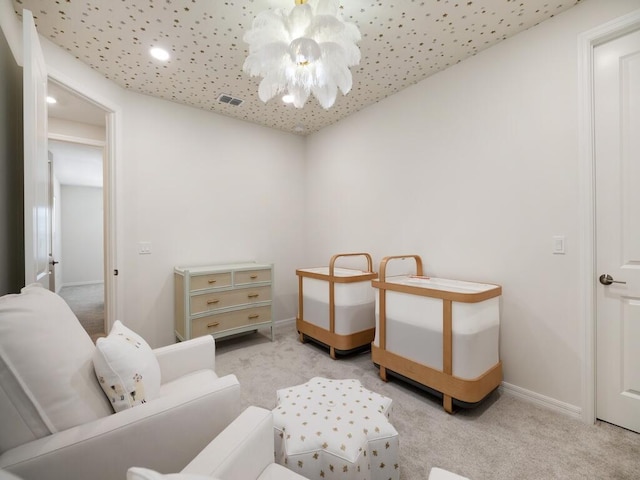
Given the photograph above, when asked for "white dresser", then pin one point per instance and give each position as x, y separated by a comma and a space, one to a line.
222, 300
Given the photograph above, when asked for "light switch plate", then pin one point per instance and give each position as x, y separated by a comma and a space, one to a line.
144, 248
558, 245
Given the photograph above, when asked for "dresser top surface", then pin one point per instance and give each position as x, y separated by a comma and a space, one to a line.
200, 270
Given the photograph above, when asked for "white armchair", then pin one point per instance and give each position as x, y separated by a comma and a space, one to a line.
58, 424
243, 451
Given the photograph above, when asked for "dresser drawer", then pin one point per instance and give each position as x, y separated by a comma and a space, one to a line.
213, 280
223, 300
247, 277
224, 321
229, 298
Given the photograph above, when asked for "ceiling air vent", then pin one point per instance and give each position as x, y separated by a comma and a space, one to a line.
224, 98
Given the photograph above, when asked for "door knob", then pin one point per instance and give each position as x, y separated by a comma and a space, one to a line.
607, 279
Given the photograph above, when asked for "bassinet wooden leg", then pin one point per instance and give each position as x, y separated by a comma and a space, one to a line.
332, 352
301, 337
383, 373
447, 403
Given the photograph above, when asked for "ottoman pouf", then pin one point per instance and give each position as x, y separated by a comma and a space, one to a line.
335, 429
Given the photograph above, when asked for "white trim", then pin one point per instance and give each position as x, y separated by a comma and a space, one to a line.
113, 308
541, 400
284, 321
587, 251
73, 139
81, 284
113, 152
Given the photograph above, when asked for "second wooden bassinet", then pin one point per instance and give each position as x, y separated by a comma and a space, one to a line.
437, 332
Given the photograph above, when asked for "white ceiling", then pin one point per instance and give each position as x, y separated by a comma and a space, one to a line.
71, 107
403, 42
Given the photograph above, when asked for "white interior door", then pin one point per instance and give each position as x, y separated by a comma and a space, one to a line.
617, 162
37, 231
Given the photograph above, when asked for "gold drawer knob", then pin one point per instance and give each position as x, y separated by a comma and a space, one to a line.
253, 295
212, 302
253, 277
254, 316
213, 324
212, 281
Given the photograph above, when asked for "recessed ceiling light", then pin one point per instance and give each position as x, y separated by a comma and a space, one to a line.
51, 100
288, 98
159, 54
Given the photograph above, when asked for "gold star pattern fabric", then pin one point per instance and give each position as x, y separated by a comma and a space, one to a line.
335, 429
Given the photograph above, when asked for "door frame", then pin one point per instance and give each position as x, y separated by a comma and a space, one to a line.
92, 143
112, 153
587, 179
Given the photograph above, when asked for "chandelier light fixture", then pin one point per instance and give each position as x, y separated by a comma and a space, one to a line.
307, 50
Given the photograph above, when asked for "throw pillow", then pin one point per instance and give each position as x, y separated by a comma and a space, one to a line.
127, 369
137, 473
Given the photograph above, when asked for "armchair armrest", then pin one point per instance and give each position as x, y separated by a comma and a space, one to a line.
242, 451
163, 434
185, 357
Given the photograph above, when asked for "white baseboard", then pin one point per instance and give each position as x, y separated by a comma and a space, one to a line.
541, 400
285, 321
79, 284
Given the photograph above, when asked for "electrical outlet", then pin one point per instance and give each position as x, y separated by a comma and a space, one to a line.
144, 248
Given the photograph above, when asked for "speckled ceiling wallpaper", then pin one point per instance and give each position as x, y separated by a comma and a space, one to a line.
403, 42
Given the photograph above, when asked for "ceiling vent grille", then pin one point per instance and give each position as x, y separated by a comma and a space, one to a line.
224, 98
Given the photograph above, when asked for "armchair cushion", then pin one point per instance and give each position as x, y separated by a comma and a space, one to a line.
243, 451
126, 367
137, 473
47, 382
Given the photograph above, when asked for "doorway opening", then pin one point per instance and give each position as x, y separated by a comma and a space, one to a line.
77, 132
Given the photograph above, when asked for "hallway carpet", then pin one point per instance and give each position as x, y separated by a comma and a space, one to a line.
87, 302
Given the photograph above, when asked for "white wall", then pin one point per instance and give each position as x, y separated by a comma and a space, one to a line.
203, 189
475, 169
81, 235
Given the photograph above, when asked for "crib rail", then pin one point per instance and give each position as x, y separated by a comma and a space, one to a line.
385, 260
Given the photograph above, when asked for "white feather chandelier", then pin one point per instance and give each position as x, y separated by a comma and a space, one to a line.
307, 50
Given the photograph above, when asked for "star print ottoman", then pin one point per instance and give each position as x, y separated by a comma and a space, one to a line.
335, 429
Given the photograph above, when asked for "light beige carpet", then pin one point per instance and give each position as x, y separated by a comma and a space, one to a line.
504, 438
87, 302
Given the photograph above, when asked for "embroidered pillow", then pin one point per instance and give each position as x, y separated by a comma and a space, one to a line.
137, 473
126, 367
